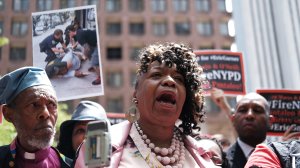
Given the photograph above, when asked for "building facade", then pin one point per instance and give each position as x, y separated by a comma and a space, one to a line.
125, 26
268, 34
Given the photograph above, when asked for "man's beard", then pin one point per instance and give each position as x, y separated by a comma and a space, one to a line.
41, 142
37, 142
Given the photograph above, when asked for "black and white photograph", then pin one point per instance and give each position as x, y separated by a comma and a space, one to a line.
66, 44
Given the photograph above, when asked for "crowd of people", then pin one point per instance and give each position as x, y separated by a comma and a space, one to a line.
163, 123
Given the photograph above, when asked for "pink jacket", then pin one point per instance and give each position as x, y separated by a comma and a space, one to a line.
119, 134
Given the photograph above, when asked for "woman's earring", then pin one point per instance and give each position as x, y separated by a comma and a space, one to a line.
133, 113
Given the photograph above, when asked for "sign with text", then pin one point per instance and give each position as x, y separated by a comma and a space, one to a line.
223, 70
285, 108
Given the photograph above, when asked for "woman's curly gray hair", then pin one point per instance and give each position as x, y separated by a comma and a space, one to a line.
186, 63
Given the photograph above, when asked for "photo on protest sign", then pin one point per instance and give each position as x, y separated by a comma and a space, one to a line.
285, 109
223, 70
66, 44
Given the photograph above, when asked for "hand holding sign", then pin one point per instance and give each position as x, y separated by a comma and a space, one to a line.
217, 95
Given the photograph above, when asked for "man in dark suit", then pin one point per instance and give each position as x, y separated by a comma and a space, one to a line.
251, 121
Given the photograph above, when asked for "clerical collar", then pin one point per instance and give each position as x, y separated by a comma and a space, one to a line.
36, 156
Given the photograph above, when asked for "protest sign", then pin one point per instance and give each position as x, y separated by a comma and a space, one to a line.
285, 108
223, 70
66, 44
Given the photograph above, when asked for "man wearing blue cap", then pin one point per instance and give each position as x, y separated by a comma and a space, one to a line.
30, 104
72, 132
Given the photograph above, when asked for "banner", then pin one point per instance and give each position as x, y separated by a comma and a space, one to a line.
285, 108
223, 70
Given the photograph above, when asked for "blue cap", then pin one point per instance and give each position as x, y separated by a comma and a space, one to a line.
15, 82
85, 111
88, 110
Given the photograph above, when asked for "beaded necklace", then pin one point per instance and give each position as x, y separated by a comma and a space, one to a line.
173, 156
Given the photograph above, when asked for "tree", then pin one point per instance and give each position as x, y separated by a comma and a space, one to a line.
3, 41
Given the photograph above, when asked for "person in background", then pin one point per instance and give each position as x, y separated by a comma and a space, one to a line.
219, 98
168, 88
72, 132
277, 154
251, 122
30, 104
214, 149
48, 45
225, 143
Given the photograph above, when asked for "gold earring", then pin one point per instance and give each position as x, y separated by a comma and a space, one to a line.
133, 113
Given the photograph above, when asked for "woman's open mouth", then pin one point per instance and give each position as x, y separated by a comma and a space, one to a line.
167, 98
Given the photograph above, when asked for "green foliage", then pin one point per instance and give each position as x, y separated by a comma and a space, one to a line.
8, 132
62, 116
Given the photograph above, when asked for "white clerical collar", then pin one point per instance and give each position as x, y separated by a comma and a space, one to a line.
247, 149
30, 156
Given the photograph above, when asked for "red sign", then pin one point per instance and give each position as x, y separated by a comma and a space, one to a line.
224, 70
285, 108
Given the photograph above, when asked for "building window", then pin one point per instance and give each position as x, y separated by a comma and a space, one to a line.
182, 28
91, 2
17, 54
136, 28
67, 3
114, 79
132, 78
159, 28
180, 5
115, 105
202, 5
159, 5
134, 53
19, 28
1, 28
224, 28
113, 28
207, 47
114, 53
205, 28
1, 4
21, 5
226, 47
43, 5
113, 5
136, 5
222, 5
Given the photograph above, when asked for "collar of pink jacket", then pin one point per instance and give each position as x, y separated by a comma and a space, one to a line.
119, 134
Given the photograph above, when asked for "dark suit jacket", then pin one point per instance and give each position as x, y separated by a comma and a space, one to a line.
6, 158
236, 157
